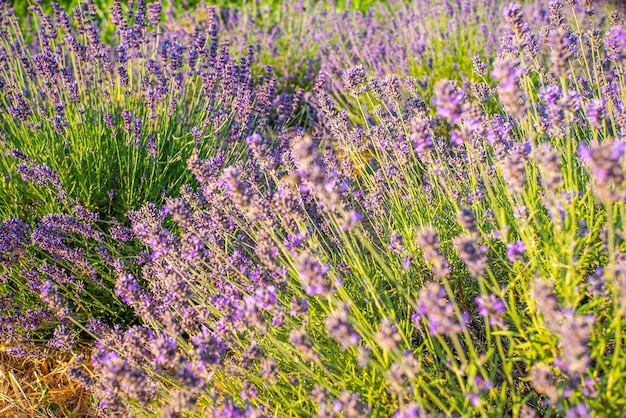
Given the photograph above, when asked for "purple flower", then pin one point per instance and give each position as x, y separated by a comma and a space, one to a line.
313, 275
396, 242
467, 219
154, 13
579, 411
596, 113
615, 43
561, 51
407, 261
449, 101
14, 239
68, 223
491, 308
434, 307
387, 336
511, 95
41, 175
515, 251
472, 254
411, 410
340, 328
596, 283
605, 163
302, 345
62, 339
480, 68
575, 334
50, 294
354, 79
298, 307
429, 243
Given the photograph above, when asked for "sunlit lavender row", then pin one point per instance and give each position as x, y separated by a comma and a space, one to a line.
307, 211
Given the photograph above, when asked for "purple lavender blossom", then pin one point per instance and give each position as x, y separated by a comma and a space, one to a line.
511, 95
154, 13
62, 339
41, 175
354, 79
388, 336
429, 243
596, 283
402, 372
302, 345
543, 380
579, 411
313, 275
396, 242
50, 295
596, 113
605, 163
515, 251
491, 308
340, 328
467, 219
411, 410
473, 255
14, 240
549, 160
449, 101
575, 335
560, 52
615, 43
434, 309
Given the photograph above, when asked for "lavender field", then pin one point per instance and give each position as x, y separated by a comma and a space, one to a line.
313, 209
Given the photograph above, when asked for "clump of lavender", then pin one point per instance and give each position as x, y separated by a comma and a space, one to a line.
104, 110
605, 163
115, 112
429, 243
15, 239
340, 328
313, 275
437, 312
473, 254
271, 285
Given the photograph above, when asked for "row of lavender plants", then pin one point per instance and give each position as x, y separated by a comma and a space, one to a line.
391, 224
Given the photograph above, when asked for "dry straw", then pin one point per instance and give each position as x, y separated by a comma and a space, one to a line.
42, 388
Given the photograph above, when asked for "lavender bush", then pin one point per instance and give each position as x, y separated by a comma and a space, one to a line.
91, 130
445, 247
114, 124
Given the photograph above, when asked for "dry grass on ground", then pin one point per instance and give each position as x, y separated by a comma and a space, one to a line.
41, 388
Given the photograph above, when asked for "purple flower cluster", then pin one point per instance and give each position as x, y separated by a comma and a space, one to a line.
340, 328
515, 251
492, 309
313, 275
605, 163
15, 238
473, 255
436, 311
264, 279
429, 243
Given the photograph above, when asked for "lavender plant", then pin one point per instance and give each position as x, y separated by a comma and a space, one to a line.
90, 130
115, 123
441, 256
427, 40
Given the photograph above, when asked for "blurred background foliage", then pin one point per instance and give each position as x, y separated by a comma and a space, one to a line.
179, 6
